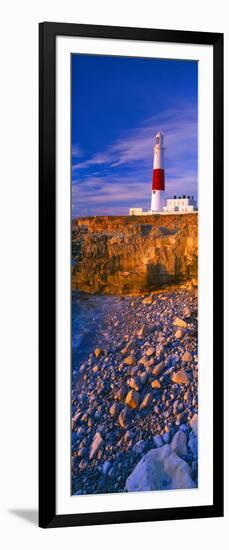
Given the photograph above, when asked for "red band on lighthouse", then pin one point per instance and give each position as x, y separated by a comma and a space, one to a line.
158, 183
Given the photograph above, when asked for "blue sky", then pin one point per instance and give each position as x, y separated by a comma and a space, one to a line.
118, 105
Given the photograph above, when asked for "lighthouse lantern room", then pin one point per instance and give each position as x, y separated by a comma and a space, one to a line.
158, 182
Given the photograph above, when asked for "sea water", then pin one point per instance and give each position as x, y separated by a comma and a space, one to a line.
89, 311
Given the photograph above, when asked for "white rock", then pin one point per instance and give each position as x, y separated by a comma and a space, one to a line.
160, 469
179, 443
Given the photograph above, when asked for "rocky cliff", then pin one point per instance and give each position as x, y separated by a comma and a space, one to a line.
121, 255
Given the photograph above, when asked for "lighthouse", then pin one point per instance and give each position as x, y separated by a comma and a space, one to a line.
158, 182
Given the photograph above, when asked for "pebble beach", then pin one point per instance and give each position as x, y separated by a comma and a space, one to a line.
135, 393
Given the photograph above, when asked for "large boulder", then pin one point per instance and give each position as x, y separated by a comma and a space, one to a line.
160, 469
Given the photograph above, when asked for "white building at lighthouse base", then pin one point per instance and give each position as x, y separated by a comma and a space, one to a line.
177, 205
180, 205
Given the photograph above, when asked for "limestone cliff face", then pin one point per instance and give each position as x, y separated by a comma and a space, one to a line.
121, 255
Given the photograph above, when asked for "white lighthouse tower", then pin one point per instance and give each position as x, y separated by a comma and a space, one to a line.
158, 181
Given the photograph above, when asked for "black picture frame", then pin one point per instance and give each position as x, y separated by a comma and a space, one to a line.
47, 274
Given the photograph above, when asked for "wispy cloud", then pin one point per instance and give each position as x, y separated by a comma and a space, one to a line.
180, 128
99, 158
112, 180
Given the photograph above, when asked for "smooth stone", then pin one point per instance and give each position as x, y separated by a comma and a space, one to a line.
181, 377
98, 352
158, 441
106, 467
95, 368
160, 469
132, 399
183, 428
158, 369
187, 312
114, 409
121, 393
123, 418
159, 352
147, 401
180, 332
175, 405
179, 443
155, 384
130, 360
96, 445
133, 383
150, 351
143, 378
194, 424
186, 357
179, 323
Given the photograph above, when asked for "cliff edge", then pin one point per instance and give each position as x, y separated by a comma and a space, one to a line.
122, 255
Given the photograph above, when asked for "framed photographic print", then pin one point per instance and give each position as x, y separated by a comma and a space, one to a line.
131, 275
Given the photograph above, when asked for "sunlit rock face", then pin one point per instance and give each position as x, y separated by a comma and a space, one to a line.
121, 255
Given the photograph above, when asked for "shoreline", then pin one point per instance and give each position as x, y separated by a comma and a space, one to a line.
137, 351
185, 285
